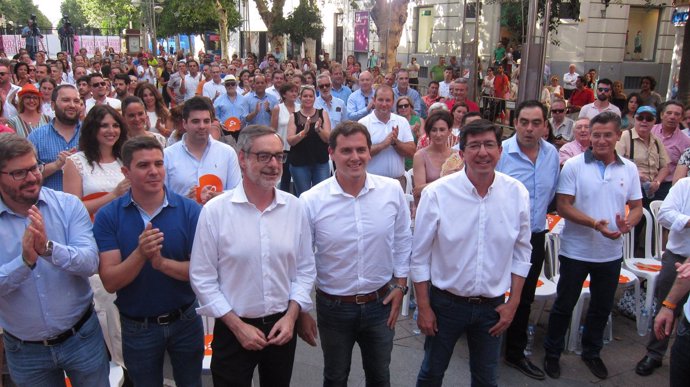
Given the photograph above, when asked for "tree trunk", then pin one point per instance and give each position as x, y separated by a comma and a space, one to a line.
684, 71
223, 29
269, 16
389, 17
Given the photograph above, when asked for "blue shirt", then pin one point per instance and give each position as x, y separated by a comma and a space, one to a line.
336, 111
44, 302
343, 93
249, 106
540, 179
357, 105
226, 108
412, 93
49, 143
118, 226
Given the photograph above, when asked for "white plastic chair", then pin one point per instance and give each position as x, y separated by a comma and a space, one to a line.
408, 181
406, 299
658, 229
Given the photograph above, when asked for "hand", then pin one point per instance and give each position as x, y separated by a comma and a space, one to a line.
306, 329
506, 313
207, 193
157, 261
603, 227
257, 107
191, 194
395, 296
663, 323
282, 331
217, 94
150, 241
28, 251
122, 187
250, 337
371, 104
38, 230
307, 127
623, 224
62, 157
653, 187
267, 106
683, 270
426, 320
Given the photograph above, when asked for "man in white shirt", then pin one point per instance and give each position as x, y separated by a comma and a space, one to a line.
278, 80
189, 162
593, 190
444, 85
191, 80
360, 224
99, 92
569, 80
176, 82
252, 267
470, 253
562, 125
601, 104
391, 136
214, 88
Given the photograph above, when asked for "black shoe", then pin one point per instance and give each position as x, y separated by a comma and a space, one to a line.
646, 366
596, 365
526, 367
552, 367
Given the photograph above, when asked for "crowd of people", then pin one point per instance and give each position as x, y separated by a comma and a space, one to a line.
140, 193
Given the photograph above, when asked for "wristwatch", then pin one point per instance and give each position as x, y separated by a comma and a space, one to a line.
402, 288
49, 249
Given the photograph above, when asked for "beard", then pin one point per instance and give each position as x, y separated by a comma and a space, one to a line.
63, 117
17, 195
602, 97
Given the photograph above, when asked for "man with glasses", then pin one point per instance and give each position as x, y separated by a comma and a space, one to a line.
229, 106
252, 273
470, 264
100, 91
331, 104
198, 155
562, 125
361, 228
46, 258
403, 89
601, 104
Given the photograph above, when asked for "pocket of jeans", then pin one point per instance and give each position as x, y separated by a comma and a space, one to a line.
325, 302
89, 328
12, 345
683, 327
189, 314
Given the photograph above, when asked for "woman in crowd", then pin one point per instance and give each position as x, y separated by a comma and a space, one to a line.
177, 126
245, 83
164, 78
158, 114
405, 107
413, 71
21, 74
46, 87
280, 117
134, 113
428, 160
30, 115
628, 113
350, 65
555, 88
618, 97
488, 83
307, 133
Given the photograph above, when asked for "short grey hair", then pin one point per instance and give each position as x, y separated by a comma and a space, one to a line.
251, 132
323, 76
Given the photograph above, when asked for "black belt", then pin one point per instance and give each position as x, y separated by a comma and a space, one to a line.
478, 300
357, 298
266, 320
161, 319
55, 340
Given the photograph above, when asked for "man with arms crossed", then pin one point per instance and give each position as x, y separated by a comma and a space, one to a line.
253, 268
360, 224
470, 264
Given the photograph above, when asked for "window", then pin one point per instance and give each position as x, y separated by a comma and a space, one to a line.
642, 32
471, 10
425, 27
569, 10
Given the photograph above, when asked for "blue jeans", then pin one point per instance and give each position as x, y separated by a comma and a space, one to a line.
343, 324
308, 176
602, 287
83, 357
144, 345
680, 354
454, 318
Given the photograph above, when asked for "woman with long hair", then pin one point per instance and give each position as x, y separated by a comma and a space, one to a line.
429, 160
307, 133
618, 96
158, 114
245, 81
405, 107
30, 115
134, 113
46, 87
280, 117
628, 113
21, 74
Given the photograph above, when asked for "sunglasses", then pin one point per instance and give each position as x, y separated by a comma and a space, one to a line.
557, 110
403, 106
233, 84
3, 74
325, 86
603, 89
99, 84
645, 118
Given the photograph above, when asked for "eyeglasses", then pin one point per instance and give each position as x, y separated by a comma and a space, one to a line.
403, 106
20, 174
3, 74
324, 86
32, 70
558, 111
645, 118
265, 157
476, 146
603, 89
99, 84
233, 84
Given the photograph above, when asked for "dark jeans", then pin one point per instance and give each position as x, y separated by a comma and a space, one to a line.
233, 366
341, 325
286, 178
516, 335
680, 354
603, 285
657, 348
453, 318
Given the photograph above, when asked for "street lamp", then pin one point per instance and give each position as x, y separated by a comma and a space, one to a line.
149, 11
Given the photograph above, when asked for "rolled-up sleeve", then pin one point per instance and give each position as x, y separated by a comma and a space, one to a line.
402, 242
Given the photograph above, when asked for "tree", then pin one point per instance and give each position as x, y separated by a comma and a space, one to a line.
73, 11
270, 16
19, 12
512, 13
302, 24
109, 14
389, 16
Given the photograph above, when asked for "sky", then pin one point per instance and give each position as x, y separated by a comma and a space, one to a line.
50, 8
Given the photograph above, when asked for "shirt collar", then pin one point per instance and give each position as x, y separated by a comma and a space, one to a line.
469, 187
239, 195
589, 157
336, 189
168, 200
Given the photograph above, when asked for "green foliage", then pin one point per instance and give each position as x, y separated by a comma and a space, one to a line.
73, 10
113, 15
195, 17
302, 24
513, 11
19, 12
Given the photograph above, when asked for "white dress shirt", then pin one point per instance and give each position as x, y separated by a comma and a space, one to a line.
252, 262
212, 89
112, 102
362, 241
183, 170
469, 245
387, 162
674, 215
569, 80
190, 85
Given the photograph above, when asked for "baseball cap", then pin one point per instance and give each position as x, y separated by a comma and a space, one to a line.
646, 109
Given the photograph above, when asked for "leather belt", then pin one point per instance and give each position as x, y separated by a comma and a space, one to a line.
357, 298
162, 319
55, 340
266, 320
478, 300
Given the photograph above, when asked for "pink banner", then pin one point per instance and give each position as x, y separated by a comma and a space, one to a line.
100, 42
12, 43
361, 31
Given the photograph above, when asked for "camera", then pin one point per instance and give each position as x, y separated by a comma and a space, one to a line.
33, 18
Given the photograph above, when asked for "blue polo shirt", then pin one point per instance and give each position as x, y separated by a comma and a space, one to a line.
118, 226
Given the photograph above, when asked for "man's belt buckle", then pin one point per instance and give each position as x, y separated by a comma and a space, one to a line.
475, 300
361, 299
164, 319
